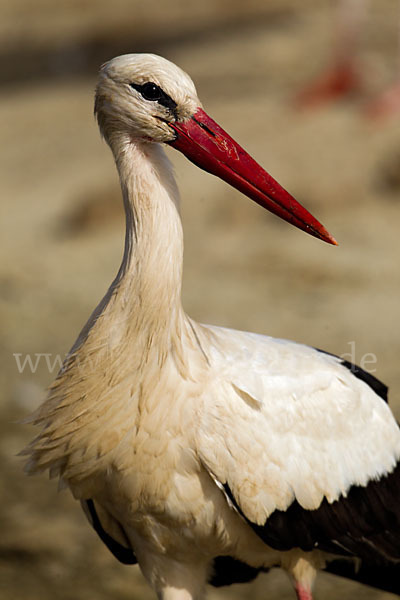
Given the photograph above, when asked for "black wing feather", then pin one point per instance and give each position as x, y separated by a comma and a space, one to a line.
365, 525
123, 553
228, 570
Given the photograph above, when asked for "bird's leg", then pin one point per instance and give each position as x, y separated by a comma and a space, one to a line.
176, 592
172, 578
172, 593
302, 571
302, 592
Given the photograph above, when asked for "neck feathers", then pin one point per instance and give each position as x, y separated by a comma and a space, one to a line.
140, 321
144, 300
137, 329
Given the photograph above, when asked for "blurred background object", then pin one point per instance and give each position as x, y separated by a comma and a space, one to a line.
346, 75
343, 76
62, 227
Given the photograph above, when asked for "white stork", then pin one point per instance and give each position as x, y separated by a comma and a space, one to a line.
206, 454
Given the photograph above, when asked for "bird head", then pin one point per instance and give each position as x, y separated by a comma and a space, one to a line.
141, 94
143, 97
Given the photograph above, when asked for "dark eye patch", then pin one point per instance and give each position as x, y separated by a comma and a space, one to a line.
152, 92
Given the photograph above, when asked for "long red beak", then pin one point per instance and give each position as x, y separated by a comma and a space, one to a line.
208, 146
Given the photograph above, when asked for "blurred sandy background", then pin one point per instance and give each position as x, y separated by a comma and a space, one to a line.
62, 227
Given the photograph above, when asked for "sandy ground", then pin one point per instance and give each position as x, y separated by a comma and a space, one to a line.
62, 228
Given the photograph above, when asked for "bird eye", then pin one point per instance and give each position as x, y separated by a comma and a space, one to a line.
151, 91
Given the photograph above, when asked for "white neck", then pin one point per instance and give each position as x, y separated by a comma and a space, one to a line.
143, 304
152, 262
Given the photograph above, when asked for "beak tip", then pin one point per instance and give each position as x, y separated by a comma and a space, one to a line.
330, 239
